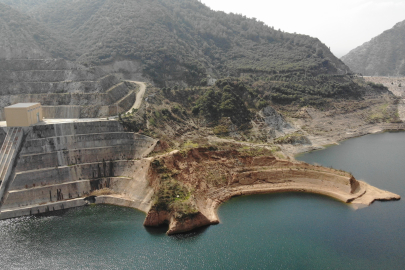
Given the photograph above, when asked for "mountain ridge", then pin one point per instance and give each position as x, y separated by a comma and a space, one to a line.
383, 55
180, 40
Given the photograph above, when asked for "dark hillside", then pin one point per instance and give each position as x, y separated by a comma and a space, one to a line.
23, 37
384, 55
25, 6
182, 40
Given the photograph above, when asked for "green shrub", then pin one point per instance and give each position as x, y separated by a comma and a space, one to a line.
220, 130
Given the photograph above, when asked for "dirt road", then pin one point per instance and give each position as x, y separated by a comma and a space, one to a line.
139, 96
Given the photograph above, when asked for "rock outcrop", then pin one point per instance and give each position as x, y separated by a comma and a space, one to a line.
275, 122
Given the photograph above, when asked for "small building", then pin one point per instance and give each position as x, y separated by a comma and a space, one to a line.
23, 114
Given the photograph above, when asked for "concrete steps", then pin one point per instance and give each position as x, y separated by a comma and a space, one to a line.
43, 208
76, 156
73, 129
52, 152
66, 174
60, 192
81, 141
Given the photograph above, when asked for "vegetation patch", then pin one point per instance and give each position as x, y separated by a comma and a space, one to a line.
293, 138
385, 113
171, 195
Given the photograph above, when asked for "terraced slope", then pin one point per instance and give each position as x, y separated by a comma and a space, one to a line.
82, 92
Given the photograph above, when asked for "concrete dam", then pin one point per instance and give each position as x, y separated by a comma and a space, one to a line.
65, 89
58, 166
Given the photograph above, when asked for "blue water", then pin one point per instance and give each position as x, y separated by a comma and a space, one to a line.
277, 231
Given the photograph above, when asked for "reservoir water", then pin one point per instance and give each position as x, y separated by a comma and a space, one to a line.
275, 231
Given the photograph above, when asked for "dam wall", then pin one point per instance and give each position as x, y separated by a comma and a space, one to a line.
60, 164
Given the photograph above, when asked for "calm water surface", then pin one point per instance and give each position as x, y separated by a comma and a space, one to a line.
279, 231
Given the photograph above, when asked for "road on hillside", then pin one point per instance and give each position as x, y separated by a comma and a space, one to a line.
139, 96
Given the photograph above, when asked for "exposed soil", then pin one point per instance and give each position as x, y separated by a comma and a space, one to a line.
206, 177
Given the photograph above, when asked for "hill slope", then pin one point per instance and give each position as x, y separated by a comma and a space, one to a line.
180, 40
23, 37
25, 5
384, 55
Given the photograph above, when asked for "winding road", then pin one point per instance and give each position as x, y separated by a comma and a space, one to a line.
139, 96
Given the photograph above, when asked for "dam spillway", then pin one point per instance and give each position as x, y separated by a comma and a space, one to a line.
60, 164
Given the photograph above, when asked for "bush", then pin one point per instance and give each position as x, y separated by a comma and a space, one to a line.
176, 109
220, 130
262, 104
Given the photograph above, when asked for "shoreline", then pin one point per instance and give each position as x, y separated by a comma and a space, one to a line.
357, 200
296, 150
209, 214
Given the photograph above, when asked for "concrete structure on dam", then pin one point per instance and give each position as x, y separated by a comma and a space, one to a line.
23, 114
56, 166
